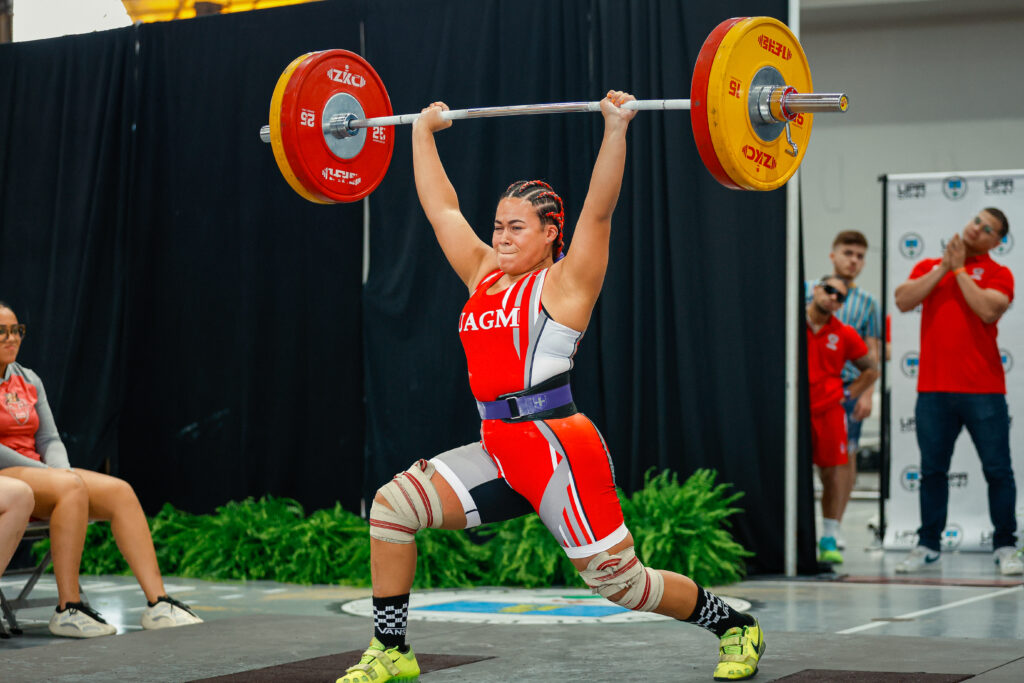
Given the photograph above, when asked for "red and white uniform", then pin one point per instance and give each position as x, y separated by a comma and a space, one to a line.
28, 434
828, 349
560, 466
19, 421
959, 353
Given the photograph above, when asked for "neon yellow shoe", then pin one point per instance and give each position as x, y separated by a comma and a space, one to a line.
378, 665
828, 551
739, 652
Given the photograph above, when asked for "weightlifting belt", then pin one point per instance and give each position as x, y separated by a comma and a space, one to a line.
527, 403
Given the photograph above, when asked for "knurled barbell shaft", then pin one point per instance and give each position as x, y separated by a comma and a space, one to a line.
343, 125
517, 110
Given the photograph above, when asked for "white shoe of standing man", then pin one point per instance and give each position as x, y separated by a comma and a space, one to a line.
1009, 560
919, 558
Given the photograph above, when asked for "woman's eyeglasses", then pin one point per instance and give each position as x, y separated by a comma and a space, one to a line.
839, 294
16, 330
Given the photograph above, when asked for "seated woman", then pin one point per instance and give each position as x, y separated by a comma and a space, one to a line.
16, 502
31, 451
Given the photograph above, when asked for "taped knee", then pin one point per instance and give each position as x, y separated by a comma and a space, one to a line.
415, 504
612, 574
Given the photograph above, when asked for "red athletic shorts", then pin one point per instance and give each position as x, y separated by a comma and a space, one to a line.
828, 437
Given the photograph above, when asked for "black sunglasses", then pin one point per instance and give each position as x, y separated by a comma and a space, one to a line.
16, 330
833, 291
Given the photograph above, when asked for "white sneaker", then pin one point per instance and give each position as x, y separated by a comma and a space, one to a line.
79, 620
1009, 559
919, 558
167, 612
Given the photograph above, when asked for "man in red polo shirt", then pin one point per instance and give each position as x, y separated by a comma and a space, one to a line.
961, 383
830, 344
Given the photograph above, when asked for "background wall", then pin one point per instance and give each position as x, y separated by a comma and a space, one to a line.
934, 85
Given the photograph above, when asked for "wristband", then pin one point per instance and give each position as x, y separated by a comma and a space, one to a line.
959, 270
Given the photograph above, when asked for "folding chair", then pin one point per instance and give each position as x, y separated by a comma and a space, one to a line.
33, 532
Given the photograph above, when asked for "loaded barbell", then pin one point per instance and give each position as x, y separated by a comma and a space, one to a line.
751, 109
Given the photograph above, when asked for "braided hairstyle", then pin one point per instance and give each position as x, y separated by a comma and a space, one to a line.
549, 206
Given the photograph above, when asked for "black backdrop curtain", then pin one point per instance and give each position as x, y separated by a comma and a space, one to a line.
195, 321
243, 315
65, 147
205, 329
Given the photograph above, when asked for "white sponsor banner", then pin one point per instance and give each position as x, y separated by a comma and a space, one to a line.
923, 212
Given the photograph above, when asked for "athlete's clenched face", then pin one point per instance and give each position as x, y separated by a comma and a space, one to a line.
521, 242
9, 346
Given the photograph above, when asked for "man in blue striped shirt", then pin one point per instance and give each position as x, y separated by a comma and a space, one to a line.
861, 312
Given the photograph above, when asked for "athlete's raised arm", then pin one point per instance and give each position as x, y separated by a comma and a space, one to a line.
577, 279
466, 252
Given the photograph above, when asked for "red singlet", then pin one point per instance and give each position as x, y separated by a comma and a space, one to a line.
561, 466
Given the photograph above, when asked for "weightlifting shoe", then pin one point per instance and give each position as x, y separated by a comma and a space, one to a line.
828, 552
167, 612
379, 664
79, 620
739, 652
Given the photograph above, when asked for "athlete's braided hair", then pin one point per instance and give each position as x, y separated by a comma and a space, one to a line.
549, 206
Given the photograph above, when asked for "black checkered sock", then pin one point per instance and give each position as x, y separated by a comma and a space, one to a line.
390, 616
715, 615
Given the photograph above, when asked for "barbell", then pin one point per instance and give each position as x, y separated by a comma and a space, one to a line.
751, 109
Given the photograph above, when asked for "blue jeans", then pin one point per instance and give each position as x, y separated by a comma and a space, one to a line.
852, 426
940, 417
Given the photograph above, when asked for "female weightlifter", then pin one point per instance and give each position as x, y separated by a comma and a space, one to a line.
31, 450
527, 310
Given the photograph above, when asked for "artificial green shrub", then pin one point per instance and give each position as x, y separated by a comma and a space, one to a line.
680, 527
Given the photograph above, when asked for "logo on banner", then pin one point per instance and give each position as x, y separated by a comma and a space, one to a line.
905, 537
1007, 360
908, 424
910, 190
999, 186
952, 537
909, 363
957, 480
911, 245
1004, 246
910, 478
954, 187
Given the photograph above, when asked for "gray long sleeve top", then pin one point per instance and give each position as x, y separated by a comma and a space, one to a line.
48, 443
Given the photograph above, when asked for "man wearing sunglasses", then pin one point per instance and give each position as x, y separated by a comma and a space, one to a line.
861, 312
961, 383
830, 345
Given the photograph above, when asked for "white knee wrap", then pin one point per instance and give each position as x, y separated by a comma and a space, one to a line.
610, 574
414, 505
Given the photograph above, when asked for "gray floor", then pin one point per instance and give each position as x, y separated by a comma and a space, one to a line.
963, 618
